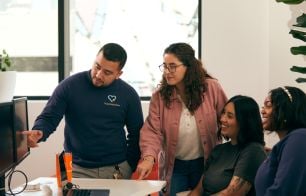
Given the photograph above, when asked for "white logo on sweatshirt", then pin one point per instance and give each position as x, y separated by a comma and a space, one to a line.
111, 98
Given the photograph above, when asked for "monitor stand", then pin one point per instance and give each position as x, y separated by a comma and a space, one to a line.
2, 185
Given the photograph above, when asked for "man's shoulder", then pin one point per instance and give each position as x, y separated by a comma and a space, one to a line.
126, 87
79, 75
73, 83
124, 84
75, 77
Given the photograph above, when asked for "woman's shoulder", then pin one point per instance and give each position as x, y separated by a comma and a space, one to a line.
212, 81
298, 132
213, 84
295, 136
254, 151
222, 146
254, 147
156, 92
156, 96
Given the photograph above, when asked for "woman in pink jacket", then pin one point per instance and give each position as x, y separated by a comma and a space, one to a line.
182, 120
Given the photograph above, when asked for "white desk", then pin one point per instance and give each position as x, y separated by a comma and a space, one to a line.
116, 187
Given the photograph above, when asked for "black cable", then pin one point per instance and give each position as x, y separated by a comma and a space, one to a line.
10, 175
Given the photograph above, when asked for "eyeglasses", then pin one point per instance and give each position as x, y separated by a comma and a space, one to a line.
171, 67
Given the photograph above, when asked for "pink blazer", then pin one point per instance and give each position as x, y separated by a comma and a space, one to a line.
160, 130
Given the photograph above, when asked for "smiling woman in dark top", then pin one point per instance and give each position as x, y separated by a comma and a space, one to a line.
231, 167
284, 171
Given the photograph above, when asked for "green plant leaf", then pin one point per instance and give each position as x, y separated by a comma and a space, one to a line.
290, 1
300, 80
298, 34
298, 50
5, 61
298, 69
301, 21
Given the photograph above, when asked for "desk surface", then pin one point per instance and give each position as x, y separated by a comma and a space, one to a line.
116, 187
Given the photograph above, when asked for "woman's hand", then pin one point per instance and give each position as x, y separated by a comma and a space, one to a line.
144, 168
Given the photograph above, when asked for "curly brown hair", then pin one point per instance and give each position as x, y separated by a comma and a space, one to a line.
194, 79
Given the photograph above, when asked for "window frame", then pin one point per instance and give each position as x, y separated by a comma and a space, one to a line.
64, 60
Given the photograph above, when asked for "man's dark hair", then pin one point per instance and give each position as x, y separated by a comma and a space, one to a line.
114, 52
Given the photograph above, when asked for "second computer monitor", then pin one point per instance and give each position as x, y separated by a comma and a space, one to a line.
20, 109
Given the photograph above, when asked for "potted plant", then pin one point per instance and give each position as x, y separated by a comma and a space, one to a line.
7, 78
299, 50
298, 34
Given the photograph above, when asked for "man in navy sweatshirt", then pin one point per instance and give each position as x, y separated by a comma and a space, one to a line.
97, 105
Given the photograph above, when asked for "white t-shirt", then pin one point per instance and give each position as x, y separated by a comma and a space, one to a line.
189, 143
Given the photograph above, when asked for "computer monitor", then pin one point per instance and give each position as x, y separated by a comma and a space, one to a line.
20, 110
6, 142
13, 144
6, 137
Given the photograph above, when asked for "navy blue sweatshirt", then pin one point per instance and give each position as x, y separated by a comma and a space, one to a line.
94, 121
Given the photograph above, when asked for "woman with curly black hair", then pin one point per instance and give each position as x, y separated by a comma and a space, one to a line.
284, 171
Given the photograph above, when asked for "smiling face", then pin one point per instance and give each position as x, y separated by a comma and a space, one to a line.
104, 72
229, 124
266, 113
174, 77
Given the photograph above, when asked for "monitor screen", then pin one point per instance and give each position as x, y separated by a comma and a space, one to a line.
6, 137
20, 108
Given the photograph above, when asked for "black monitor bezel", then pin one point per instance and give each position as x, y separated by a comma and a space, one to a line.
17, 100
12, 163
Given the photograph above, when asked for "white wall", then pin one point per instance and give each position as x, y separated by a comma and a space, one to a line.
245, 45
236, 45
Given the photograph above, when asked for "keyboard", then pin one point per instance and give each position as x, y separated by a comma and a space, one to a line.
86, 192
